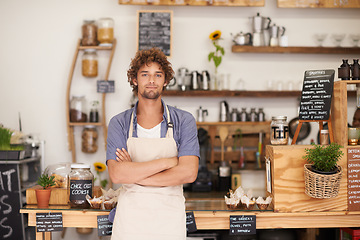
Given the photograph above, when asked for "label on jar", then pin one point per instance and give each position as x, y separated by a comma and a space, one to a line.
79, 189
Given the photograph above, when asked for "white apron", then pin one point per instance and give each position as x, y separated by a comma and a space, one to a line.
150, 213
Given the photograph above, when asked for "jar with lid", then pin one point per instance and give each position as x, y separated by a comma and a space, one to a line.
81, 183
261, 115
89, 33
94, 113
234, 115
279, 130
105, 30
244, 115
89, 63
89, 139
253, 115
324, 137
78, 109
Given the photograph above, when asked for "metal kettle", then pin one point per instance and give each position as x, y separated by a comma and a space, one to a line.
242, 38
224, 111
201, 113
205, 80
195, 80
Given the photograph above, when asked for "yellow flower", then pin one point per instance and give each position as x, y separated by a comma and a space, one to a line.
99, 167
215, 35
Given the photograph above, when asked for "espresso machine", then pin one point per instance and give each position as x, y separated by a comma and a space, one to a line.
259, 24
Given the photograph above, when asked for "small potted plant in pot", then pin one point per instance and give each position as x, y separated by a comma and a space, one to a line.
322, 173
43, 194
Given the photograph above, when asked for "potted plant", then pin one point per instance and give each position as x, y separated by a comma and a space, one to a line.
43, 194
322, 173
8, 151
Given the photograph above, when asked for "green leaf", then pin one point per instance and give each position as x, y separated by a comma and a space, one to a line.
211, 55
217, 60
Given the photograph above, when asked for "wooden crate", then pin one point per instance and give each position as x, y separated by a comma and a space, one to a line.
250, 139
288, 182
59, 196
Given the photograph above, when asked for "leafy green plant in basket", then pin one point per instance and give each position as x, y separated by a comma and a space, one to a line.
324, 158
46, 181
5, 139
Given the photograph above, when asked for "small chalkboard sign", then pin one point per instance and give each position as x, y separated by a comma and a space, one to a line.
353, 155
190, 222
242, 225
316, 95
104, 226
104, 86
155, 30
49, 222
10, 216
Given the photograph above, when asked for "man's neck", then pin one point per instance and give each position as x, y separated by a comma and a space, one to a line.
149, 112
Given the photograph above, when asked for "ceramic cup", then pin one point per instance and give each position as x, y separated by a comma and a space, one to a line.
353, 136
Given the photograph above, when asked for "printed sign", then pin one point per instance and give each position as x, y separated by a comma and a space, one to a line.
316, 95
49, 222
104, 86
10, 216
190, 222
242, 225
104, 226
154, 30
80, 188
353, 155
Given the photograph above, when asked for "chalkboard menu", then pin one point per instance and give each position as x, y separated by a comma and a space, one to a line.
190, 222
104, 86
242, 225
49, 222
104, 226
353, 155
154, 30
10, 217
316, 95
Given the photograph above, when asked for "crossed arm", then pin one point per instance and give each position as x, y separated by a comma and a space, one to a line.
159, 172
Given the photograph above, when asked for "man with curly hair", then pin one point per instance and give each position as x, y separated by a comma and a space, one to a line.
152, 150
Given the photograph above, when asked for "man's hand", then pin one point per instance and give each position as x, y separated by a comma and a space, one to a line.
122, 155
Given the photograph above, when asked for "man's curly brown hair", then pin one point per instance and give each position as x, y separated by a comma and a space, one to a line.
146, 57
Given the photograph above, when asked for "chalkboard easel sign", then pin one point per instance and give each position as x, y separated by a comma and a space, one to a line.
154, 29
315, 100
104, 226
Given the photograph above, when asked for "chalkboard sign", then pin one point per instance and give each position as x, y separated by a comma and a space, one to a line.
49, 222
79, 189
316, 95
10, 216
190, 222
242, 225
353, 155
104, 226
155, 30
104, 86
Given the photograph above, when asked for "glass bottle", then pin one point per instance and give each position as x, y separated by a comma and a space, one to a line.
355, 70
105, 30
89, 138
224, 172
94, 113
89, 33
358, 95
344, 70
234, 115
89, 63
78, 109
243, 115
279, 130
81, 183
253, 115
261, 115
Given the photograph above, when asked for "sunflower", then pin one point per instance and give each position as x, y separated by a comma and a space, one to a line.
99, 167
215, 35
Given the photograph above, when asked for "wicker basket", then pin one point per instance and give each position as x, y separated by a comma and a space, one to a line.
321, 185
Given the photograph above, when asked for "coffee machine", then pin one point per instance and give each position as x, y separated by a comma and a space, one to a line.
259, 24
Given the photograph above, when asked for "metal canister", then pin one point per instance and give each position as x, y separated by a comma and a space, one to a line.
279, 130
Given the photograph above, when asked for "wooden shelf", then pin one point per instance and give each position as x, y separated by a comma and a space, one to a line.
228, 93
85, 124
239, 3
317, 4
312, 50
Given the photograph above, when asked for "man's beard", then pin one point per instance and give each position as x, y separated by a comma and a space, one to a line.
150, 94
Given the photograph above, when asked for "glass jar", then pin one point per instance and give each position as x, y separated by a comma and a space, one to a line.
244, 115
105, 30
261, 115
324, 137
81, 183
253, 115
78, 109
89, 33
89, 63
94, 113
60, 171
234, 115
89, 139
279, 129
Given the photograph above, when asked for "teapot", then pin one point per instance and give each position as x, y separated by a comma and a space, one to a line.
242, 38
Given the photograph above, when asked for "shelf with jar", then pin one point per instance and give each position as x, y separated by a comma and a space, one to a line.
230, 93
239, 3
96, 36
293, 49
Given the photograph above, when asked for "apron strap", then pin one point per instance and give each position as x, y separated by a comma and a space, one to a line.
170, 125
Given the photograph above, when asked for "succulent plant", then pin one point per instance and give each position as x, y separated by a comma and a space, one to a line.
46, 181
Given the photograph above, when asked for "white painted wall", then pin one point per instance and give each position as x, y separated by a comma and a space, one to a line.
38, 41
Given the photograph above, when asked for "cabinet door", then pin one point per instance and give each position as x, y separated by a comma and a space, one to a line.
318, 3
